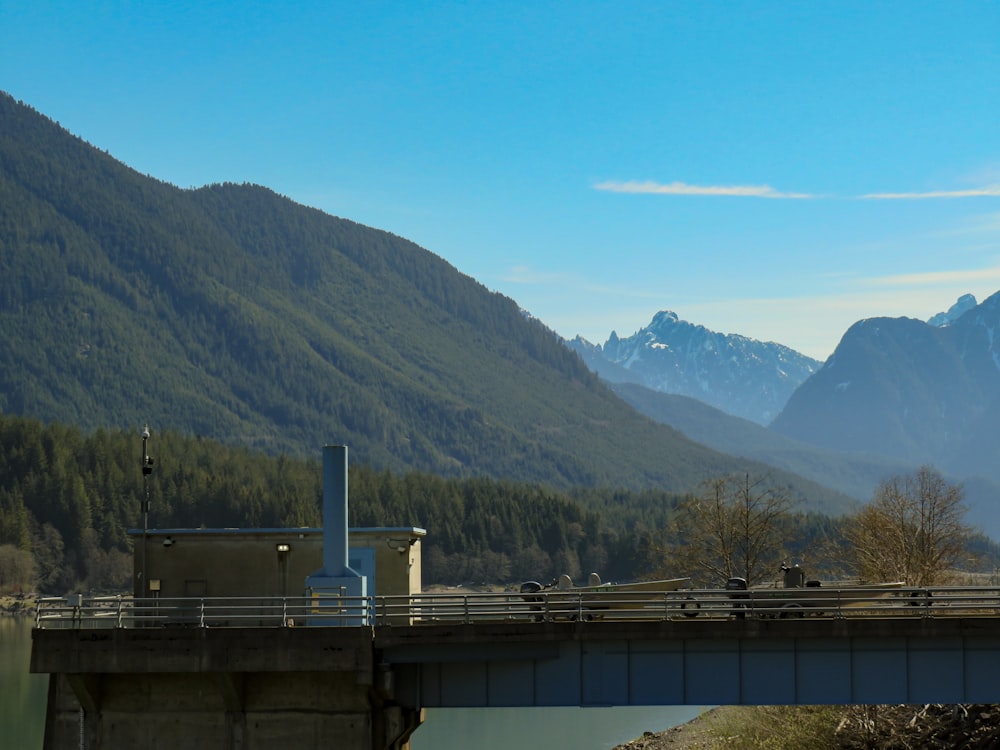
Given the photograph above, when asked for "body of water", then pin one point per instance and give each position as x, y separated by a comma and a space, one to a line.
23, 697
530, 728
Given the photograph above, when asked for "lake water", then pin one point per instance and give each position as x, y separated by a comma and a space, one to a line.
530, 728
23, 697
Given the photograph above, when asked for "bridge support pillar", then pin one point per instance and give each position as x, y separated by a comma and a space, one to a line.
205, 690
171, 711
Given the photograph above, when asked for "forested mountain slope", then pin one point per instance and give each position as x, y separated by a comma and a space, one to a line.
233, 313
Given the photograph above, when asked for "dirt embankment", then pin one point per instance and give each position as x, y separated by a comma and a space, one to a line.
898, 727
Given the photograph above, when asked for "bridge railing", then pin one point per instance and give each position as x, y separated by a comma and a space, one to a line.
78, 611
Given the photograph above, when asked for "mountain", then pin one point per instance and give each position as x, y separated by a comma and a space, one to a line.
233, 313
853, 473
739, 375
909, 390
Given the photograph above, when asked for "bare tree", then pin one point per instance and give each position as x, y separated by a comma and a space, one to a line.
912, 530
732, 529
17, 569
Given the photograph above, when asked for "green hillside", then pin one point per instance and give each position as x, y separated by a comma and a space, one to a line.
232, 313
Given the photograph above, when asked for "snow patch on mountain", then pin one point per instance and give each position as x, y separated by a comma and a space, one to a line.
965, 303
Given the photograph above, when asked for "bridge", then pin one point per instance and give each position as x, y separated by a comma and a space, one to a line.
243, 672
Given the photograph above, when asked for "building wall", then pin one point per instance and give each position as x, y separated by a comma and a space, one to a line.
264, 562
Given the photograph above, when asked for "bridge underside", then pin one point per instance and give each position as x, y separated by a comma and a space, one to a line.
726, 663
365, 688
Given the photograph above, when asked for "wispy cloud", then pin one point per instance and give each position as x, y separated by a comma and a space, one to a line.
972, 225
635, 187
990, 191
681, 188
934, 278
814, 324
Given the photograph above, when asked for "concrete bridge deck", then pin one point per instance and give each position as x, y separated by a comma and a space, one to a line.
222, 679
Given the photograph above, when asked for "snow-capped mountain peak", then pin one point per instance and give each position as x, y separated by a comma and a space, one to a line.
965, 303
739, 375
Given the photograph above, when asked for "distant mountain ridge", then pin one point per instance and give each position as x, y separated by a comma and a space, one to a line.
873, 452
852, 473
739, 375
909, 390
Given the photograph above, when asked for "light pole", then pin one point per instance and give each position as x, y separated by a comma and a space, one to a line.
147, 469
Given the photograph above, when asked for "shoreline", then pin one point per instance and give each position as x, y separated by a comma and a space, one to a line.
697, 734
17, 605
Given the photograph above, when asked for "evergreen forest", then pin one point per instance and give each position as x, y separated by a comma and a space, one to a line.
68, 498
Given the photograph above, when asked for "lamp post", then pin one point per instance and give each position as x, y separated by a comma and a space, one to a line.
147, 469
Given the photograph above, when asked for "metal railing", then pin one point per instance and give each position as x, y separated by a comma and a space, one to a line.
76, 611
127, 612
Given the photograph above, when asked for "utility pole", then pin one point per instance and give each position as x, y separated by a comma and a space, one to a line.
147, 469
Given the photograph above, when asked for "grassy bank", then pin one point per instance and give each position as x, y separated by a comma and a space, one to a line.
882, 727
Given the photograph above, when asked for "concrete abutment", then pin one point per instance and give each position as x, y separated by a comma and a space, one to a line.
245, 689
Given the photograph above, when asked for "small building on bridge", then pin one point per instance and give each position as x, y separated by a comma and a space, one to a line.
185, 563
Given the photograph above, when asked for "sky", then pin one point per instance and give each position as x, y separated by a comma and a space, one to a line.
778, 170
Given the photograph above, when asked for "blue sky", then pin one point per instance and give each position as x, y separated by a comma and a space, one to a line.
777, 170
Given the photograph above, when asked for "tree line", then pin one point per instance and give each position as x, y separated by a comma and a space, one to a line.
912, 530
67, 500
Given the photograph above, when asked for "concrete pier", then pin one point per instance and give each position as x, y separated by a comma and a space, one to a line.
240, 689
